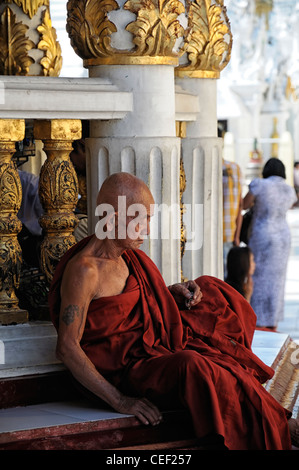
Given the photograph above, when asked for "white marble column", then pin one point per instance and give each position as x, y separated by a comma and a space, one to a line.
202, 159
143, 143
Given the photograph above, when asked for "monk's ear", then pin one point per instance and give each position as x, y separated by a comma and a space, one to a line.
105, 227
110, 221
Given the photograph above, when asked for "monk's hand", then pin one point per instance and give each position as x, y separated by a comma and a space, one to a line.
186, 294
142, 408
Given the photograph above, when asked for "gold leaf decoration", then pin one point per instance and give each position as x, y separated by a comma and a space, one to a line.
156, 28
209, 40
89, 28
52, 61
14, 45
29, 7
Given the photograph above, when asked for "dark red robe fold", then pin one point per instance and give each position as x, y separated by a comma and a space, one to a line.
199, 358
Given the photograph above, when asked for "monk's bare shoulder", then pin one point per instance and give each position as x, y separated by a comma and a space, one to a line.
93, 275
81, 274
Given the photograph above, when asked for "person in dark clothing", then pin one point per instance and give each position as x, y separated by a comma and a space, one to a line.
240, 268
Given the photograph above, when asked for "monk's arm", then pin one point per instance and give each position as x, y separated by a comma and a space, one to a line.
76, 294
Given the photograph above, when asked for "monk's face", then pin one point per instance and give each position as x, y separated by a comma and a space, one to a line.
133, 219
125, 206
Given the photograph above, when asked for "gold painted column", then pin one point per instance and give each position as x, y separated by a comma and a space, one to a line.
11, 131
58, 189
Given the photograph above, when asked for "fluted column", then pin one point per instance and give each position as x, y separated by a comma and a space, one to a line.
137, 45
58, 189
11, 131
207, 51
138, 57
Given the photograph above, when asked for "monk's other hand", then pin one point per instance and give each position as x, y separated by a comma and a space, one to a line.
142, 408
186, 293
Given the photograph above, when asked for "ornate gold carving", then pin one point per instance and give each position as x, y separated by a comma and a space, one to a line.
154, 31
89, 28
14, 45
52, 61
29, 7
58, 189
156, 28
10, 202
208, 41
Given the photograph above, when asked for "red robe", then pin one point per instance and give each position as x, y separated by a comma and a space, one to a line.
199, 358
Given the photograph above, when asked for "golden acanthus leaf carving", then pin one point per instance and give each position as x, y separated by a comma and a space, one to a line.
10, 188
52, 61
58, 191
89, 28
156, 27
58, 186
29, 7
14, 45
10, 268
10, 202
208, 40
52, 251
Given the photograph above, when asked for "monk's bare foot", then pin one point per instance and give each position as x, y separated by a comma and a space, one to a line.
294, 431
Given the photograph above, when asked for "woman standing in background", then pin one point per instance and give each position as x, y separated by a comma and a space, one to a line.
270, 241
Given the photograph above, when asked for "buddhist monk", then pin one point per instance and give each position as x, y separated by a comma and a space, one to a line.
141, 346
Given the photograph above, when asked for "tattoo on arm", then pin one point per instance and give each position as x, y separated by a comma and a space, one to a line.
69, 314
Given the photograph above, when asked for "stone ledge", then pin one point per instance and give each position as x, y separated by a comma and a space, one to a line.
62, 98
27, 346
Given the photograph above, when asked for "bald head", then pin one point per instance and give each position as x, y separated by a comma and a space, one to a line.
124, 205
123, 184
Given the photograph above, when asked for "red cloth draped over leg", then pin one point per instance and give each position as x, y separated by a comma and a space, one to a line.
200, 358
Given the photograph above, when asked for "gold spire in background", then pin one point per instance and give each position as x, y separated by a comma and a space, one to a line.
275, 136
264, 7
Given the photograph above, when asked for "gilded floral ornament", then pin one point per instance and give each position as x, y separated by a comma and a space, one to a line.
11, 131
154, 32
14, 45
208, 40
156, 28
52, 61
58, 189
89, 28
29, 7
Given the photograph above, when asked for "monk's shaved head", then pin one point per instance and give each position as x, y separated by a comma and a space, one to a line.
123, 184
